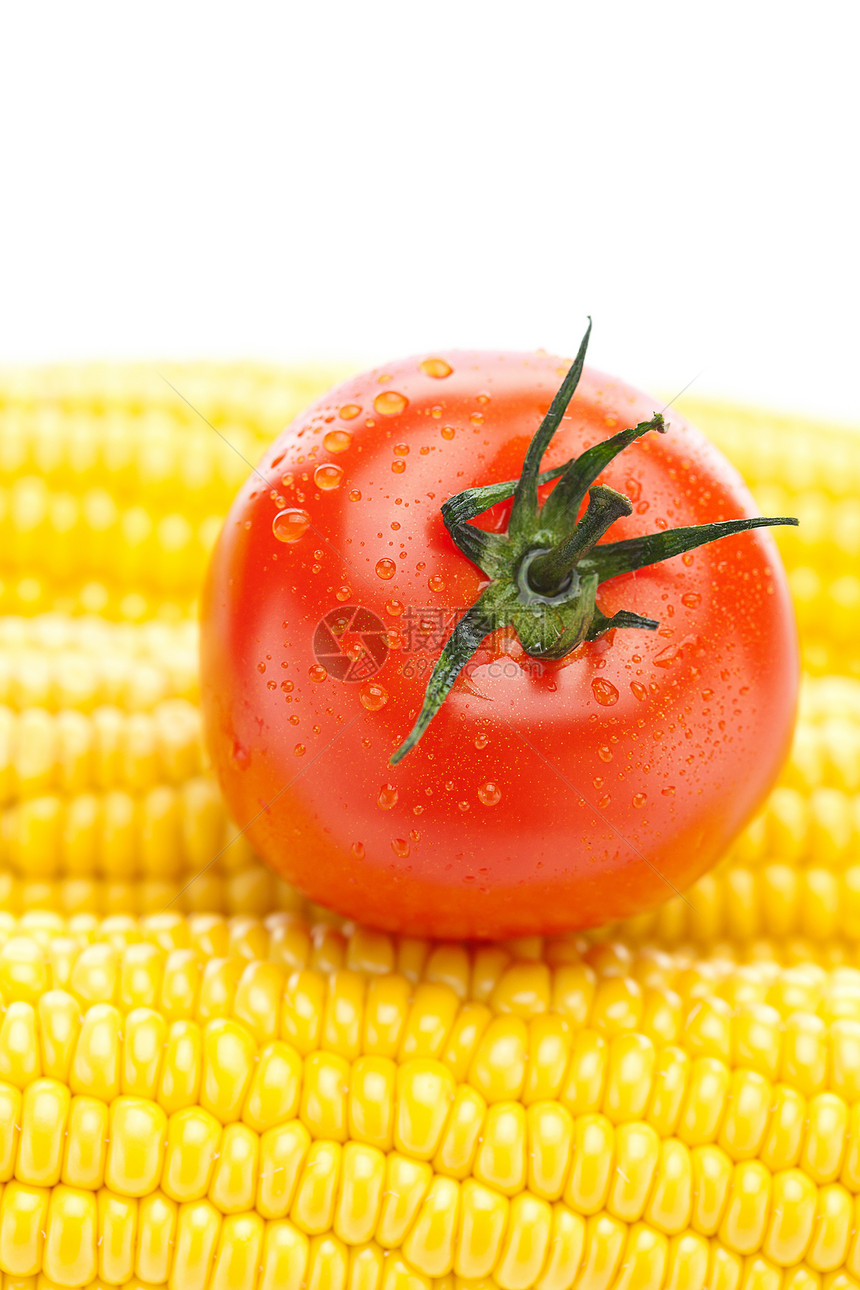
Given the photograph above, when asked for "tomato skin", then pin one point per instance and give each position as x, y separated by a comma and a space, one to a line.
616, 776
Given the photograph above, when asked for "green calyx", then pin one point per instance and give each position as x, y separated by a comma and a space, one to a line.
546, 569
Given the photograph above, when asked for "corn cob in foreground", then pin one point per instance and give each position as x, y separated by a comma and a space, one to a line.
199, 1103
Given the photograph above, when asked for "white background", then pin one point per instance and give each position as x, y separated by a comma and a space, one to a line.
362, 180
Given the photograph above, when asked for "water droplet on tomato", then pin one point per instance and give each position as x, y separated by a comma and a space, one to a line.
476, 418
373, 695
393, 607
489, 794
358, 850
299, 750
328, 476
398, 467
343, 593
401, 450
639, 691
316, 673
337, 441
349, 411
691, 599
604, 692
447, 432
390, 404
290, 525
387, 797
639, 799
668, 791
464, 805
687, 559
604, 753
436, 582
385, 569
603, 802
400, 847
436, 367
355, 494
481, 741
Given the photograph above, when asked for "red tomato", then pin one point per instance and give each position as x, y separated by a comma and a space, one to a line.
544, 795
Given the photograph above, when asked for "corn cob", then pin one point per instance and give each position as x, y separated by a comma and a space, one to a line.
201, 1103
93, 463
56, 661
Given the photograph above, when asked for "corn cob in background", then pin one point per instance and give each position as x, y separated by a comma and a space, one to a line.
246, 1098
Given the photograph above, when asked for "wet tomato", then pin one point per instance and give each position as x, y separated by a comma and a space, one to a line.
594, 712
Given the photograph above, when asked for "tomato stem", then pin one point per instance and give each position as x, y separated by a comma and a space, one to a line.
546, 569
550, 572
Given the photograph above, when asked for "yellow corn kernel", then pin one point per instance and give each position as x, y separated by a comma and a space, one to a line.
424, 1093
593, 1164
313, 1207
429, 1245
44, 1113
637, 1150
136, 1149
483, 1222
23, 1217
670, 1203
795, 1198
233, 1183
197, 1230
193, 1141
498, 1069
85, 1156
286, 1252
282, 1154
143, 1051
70, 1253
10, 1118
406, 1184
459, 1145
19, 1045
550, 1136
